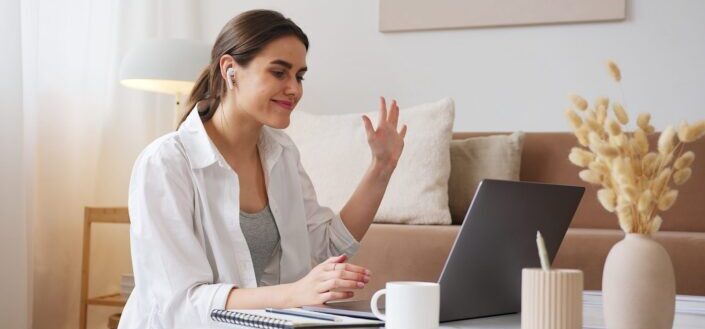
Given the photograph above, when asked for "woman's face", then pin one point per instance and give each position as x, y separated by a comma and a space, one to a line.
269, 88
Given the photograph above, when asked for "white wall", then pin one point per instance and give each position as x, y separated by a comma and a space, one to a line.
501, 78
14, 301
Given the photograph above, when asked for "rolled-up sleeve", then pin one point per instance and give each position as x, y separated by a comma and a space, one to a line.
328, 234
171, 268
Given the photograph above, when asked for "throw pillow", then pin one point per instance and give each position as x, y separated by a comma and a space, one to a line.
477, 158
335, 154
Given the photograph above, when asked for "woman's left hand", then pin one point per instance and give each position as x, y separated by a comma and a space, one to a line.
386, 143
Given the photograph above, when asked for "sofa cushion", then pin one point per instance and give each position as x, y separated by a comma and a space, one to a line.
476, 158
335, 153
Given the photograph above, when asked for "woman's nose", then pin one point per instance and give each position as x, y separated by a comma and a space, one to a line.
293, 87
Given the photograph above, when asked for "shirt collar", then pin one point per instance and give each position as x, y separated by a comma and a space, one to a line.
202, 152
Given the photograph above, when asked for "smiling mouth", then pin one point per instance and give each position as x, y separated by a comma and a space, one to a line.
284, 104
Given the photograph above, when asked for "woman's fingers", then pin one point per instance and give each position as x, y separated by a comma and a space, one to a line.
351, 268
394, 114
391, 117
345, 275
368, 126
339, 284
333, 295
335, 259
403, 132
382, 111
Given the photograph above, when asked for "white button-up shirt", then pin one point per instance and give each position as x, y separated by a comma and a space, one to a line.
188, 250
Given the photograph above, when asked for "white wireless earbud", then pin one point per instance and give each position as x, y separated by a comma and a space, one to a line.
231, 75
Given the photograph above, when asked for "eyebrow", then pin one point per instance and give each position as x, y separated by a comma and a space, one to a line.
287, 65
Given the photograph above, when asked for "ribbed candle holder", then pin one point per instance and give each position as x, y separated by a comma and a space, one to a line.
551, 299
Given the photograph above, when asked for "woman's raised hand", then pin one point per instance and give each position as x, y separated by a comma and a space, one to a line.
331, 280
386, 143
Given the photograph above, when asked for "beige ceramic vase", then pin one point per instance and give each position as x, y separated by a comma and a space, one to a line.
638, 285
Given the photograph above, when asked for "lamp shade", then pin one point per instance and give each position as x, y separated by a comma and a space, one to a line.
164, 65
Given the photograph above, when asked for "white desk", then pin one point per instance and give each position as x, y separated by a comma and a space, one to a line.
690, 314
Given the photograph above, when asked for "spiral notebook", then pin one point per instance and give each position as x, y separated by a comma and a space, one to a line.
266, 320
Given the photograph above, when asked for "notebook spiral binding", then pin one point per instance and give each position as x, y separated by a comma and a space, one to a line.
250, 320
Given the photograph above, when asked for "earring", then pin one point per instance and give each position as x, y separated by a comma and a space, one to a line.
231, 76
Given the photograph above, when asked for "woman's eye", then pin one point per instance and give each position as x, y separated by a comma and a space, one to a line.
300, 79
278, 74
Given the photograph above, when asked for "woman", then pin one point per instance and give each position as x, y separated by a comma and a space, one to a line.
223, 214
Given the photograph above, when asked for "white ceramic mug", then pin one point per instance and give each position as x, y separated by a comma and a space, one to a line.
409, 305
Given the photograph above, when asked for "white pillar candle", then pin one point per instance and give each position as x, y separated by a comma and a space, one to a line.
551, 299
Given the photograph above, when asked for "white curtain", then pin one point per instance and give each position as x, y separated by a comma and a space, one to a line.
83, 131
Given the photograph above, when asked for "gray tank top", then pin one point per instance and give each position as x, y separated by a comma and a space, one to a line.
262, 237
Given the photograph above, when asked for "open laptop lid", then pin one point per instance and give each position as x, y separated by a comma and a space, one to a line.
482, 275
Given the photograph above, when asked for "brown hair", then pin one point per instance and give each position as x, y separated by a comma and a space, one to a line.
242, 37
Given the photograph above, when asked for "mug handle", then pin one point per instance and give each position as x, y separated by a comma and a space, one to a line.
373, 304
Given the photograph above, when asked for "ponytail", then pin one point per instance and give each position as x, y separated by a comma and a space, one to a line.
201, 95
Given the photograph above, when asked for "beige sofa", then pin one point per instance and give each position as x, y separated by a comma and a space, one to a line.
418, 252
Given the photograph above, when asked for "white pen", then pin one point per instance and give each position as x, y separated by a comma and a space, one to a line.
543, 255
306, 314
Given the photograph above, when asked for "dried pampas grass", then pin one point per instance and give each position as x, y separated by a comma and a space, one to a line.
645, 201
684, 160
580, 157
614, 71
642, 121
620, 113
667, 200
574, 118
681, 176
607, 198
579, 102
689, 133
666, 140
655, 224
635, 181
613, 128
641, 144
590, 176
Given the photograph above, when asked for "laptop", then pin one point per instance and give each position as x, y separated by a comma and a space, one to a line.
482, 275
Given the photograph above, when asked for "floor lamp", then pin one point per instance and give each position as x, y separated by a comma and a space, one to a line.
167, 66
